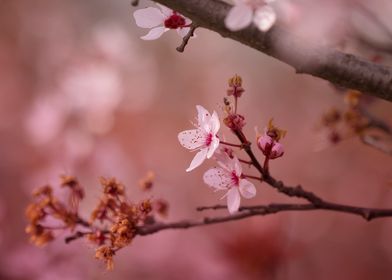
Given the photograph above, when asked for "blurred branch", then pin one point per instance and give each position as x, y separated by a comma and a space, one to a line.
377, 143
306, 57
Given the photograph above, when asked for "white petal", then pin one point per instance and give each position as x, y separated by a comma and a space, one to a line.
215, 124
223, 159
213, 146
236, 166
154, 33
264, 18
239, 17
233, 200
165, 10
247, 189
192, 139
203, 116
148, 17
217, 178
197, 160
183, 31
187, 21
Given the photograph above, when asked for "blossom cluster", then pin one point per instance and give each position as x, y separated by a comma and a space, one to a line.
113, 223
204, 140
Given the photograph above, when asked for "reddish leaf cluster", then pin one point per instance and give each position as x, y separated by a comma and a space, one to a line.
113, 224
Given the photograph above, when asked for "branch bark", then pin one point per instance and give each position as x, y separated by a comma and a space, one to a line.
306, 57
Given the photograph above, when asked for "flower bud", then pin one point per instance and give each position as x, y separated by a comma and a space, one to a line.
269, 142
234, 121
235, 86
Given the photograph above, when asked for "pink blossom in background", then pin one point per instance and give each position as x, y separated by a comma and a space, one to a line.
245, 12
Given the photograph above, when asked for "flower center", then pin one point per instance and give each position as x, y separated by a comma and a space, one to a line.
209, 139
234, 178
174, 21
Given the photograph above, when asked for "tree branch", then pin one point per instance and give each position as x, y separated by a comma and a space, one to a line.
306, 57
263, 210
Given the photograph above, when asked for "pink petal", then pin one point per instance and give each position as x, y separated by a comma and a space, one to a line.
223, 159
247, 189
264, 18
215, 124
154, 33
148, 17
263, 141
187, 21
191, 139
233, 200
197, 160
217, 178
277, 150
213, 146
183, 31
165, 10
236, 166
203, 116
239, 17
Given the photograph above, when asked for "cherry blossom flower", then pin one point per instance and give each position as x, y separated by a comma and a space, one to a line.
228, 177
244, 12
269, 142
202, 138
161, 20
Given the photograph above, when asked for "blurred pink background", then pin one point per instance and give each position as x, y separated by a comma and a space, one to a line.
82, 95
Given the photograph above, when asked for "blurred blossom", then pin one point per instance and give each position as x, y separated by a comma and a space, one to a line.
78, 144
94, 89
46, 118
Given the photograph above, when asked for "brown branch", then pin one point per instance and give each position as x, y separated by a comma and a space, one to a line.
262, 210
306, 57
75, 236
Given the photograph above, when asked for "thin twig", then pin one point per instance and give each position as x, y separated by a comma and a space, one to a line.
186, 38
262, 210
75, 236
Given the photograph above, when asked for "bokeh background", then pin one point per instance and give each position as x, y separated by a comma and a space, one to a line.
82, 95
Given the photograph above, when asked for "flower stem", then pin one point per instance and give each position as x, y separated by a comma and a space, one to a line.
246, 161
252, 177
230, 144
265, 165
